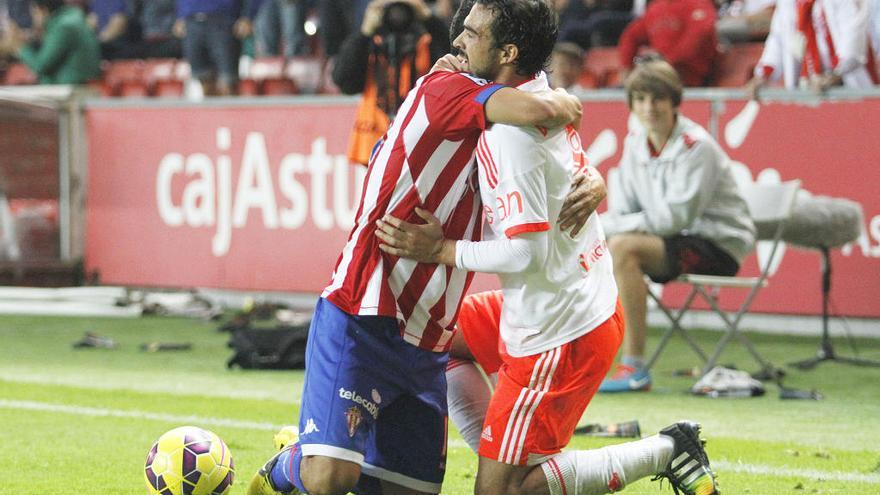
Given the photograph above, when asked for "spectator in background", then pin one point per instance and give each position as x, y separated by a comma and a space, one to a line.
339, 19
874, 32
592, 23
210, 30
110, 20
157, 31
744, 20
398, 42
445, 9
567, 67
17, 17
277, 23
817, 44
68, 52
675, 209
81, 4
680, 31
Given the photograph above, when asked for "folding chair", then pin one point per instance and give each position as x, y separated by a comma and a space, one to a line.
768, 204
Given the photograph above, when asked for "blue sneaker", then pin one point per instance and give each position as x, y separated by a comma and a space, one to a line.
627, 379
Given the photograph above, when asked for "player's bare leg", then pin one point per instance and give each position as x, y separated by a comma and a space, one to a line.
497, 478
328, 476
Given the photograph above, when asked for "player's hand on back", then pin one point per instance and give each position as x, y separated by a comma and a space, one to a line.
587, 192
576, 108
420, 242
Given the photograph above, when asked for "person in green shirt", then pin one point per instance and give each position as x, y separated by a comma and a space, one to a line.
69, 52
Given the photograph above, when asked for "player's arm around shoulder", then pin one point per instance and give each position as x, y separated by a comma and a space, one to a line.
545, 109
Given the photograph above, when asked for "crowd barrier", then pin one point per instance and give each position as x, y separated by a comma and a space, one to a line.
258, 195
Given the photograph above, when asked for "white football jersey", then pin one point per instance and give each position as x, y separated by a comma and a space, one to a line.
525, 174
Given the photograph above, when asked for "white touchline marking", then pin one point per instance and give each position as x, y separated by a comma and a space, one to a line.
122, 413
739, 467
720, 465
121, 384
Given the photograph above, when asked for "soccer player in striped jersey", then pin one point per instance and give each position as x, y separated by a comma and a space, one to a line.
374, 398
560, 323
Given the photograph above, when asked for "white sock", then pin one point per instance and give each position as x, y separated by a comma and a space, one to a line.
609, 469
468, 394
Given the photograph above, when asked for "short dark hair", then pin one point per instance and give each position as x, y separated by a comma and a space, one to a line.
50, 5
531, 25
656, 78
457, 24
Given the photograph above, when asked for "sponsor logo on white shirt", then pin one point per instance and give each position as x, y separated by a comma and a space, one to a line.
592, 255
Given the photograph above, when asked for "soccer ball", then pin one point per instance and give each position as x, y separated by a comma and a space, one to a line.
189, 461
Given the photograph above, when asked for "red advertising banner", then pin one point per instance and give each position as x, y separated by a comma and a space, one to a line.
262, 198
238, 198
830, 148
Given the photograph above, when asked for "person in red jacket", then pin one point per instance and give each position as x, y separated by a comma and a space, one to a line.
680, 31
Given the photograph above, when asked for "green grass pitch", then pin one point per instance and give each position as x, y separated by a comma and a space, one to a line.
81, 421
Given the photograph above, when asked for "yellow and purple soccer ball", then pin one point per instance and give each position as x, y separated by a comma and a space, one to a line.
189, 461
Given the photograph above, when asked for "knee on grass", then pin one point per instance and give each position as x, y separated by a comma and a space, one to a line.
326, 476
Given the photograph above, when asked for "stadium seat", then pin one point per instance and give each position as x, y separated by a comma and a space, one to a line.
248, 87
160, 68
736, 64
278, 86
266, 68
126, 77
768, 204
327, 86
306, 72
182, 71
133, 89
170, 88
589, 79
611, 79
19, 74
100, 86
266, 75
605, 63
161, 77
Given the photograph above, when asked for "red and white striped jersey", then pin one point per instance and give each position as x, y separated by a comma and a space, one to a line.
426, 160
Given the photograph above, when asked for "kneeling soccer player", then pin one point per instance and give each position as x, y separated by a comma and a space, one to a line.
560, 324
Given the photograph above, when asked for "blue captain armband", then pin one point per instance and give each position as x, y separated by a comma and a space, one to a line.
484, 95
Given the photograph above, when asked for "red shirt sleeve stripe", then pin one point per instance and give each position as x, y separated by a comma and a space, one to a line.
526, 227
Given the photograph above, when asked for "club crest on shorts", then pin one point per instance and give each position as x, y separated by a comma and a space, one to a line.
354, 417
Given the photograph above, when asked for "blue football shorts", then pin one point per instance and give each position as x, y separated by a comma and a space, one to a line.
373, 399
